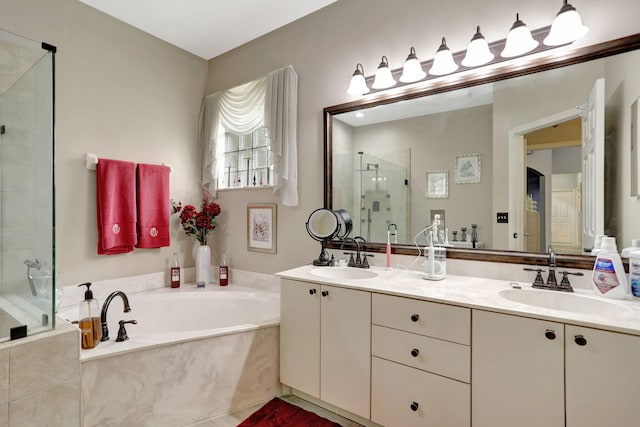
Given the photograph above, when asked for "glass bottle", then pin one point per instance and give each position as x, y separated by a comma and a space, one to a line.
223, 272
175, 271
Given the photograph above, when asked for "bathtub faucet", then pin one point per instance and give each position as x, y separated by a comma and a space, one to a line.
105, 307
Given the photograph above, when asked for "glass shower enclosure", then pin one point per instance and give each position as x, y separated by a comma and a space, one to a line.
27, 262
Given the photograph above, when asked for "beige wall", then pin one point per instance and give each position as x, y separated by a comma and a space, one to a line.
122, 94
324, 49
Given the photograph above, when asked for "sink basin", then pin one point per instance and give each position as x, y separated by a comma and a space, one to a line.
556, 300
347, 273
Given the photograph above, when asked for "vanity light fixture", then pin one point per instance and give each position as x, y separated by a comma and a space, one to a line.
412, 70
358, 85
519, 40
443, 62
567, 27
478, 52
384, 78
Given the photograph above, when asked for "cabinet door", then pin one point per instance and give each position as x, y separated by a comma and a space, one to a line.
345, 365
602, 378
300, 336
517, 371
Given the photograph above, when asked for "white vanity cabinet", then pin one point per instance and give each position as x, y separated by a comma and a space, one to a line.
325, 343
518, 371
530, 373
420, 363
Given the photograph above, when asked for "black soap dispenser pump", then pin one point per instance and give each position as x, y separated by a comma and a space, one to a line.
89, 319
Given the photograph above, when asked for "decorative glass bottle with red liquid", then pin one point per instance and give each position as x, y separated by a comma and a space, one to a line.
175, 271
223, 272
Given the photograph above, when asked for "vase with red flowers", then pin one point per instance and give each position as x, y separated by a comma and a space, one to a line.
200, 224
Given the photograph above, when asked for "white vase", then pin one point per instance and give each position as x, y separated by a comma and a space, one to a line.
203, 266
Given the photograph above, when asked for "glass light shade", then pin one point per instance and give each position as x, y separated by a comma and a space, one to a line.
519, 40
567, 27
443, 62
384, 78
358, 85
412, 70
478, 52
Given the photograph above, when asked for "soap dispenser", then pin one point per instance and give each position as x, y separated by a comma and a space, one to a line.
89, 315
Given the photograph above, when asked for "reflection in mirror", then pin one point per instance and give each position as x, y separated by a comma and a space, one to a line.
528, 132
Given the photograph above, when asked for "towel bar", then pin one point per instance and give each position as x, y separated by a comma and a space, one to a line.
92, 161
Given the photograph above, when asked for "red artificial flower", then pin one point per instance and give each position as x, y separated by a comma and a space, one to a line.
198, 223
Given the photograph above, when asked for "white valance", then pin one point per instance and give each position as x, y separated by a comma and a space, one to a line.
272, 102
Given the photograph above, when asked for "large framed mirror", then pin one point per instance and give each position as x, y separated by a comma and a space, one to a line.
523, 147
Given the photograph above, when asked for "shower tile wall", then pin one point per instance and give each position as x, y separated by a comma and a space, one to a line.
26, 176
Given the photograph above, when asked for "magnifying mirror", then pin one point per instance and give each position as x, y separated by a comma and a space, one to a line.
323, 225
344, 219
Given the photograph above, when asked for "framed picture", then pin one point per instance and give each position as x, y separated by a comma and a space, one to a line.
468, 169
437, 184
261, 227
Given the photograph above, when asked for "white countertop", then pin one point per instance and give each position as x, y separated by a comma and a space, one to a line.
480, 293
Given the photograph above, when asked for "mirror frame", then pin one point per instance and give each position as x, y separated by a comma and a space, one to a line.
576, 56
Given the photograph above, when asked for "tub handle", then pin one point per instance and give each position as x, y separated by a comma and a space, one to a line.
122, 332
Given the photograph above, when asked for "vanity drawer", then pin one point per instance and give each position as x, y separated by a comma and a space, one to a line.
431, 319
406, 397
429, 354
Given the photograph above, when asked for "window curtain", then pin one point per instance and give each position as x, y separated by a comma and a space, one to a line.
280, 119
272, 102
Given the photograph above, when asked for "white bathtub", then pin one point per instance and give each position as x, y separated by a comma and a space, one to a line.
167, 316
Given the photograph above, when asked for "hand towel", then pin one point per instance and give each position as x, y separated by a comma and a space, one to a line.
153, 206
116, 206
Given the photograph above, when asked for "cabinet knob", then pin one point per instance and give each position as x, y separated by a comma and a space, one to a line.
580, 340
312, 291
415, 352
414, 406
415, 317
325, 293
550, 334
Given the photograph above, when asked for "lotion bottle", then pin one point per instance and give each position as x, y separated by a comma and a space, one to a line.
89, 319
609, 278
388, 250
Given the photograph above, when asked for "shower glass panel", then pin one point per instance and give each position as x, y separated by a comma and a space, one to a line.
382, 197
27, 273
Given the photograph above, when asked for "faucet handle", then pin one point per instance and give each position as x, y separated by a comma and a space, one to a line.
538, 280
365, 263
122, 332
351, 262
565, 279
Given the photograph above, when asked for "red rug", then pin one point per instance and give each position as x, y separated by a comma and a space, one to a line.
278, 413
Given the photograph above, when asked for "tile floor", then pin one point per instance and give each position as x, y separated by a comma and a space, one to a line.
232, 420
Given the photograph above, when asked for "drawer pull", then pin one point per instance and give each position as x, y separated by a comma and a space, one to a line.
414, 406
312, 291
325, 293
415, 317
580, 340
415, 352
550, 334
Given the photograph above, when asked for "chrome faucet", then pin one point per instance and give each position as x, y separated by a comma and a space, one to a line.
32, 264
105, 307
551, 279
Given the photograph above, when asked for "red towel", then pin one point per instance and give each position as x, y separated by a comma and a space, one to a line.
153, 206
116, 206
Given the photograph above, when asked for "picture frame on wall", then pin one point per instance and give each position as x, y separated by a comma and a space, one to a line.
437, 184
468, 169
262, 227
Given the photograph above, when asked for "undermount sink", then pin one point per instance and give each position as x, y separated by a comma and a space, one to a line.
556, 300
347, 273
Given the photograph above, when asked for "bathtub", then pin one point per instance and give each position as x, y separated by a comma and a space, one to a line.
194, 354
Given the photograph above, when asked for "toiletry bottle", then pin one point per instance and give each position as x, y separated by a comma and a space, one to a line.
388, 250
635, 246
175, 271
609, 278
634, 274
89, 316
223, 272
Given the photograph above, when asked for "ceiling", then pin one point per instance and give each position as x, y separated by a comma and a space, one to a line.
207, 28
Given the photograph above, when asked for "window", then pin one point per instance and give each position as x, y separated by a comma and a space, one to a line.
248, 161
